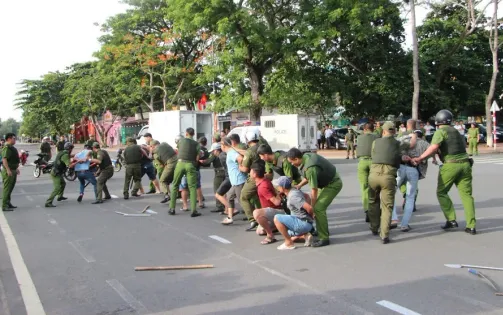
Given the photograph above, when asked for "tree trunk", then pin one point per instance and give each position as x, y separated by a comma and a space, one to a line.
415, 61
493, 44
257, 87
152, 96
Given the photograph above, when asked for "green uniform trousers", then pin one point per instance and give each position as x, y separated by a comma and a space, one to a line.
189, 170
101, 183
59, 185
461, 175
8, 186
217, 181
133, 171
363, 178
473, 147
325, 197
168, 174
382, 188
350, 146
249, 198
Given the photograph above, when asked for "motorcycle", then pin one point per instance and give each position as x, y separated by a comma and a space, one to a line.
42, 166
23, 156
117, 163
70, 174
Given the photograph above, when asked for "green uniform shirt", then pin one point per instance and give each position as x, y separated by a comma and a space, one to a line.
163, 152
262, 141
317, 170
364, 148
287, 169
387, 151
250, 156
90, 142
473, 133
104, 158
133, 154
350, 137
188, 149
378, 131
61, 163
10, 153
451, 144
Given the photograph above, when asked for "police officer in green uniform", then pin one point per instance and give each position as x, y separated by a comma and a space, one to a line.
277, 162
325, 185
10, 170
215, 151
473, 140
133, 155
382, 180
106, 171
157, 165
457, 169
188, 158
364, 153
350, 142
249, 198
45, 148
166, 159
378, 129
61, 163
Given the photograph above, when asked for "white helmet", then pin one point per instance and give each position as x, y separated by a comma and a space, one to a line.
178, 138
251, 135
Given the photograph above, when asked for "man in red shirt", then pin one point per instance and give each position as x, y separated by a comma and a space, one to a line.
269, 200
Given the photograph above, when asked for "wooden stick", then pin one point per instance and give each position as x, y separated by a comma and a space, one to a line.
173, 267
146, 208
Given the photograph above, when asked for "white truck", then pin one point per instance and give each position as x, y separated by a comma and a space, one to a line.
284, 132
165, 126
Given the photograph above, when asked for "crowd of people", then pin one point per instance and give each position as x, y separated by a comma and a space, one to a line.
244, 171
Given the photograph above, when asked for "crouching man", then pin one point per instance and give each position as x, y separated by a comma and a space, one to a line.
299, 222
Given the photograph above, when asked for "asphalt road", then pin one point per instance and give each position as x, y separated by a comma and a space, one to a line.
81, 257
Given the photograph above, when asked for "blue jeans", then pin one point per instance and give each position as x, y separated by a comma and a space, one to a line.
295, 226
148, 168
84, 176
183, 184
410, 176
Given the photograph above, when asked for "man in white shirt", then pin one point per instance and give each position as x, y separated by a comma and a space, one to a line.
428, 131
460, 127
328, 137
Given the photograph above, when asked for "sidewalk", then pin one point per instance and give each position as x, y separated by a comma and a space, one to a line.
341, 154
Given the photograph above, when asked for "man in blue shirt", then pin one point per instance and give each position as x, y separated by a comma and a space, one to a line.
82, 168
236, 177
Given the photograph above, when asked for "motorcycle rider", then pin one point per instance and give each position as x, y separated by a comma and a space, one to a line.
61, 163
45, 148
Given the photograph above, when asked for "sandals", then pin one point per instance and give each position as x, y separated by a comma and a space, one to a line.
268, 240
285, 247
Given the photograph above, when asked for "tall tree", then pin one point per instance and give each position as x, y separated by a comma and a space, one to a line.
253, 36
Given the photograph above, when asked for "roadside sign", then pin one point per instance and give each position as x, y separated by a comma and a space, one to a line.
494, 107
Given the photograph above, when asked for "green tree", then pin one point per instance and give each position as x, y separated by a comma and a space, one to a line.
10, 125
459, 82
42, 102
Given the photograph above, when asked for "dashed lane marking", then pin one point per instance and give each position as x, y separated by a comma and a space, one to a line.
127, 296
397, 308
82, 252
29, 293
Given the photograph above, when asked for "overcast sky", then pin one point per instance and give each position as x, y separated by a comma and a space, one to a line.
39, 36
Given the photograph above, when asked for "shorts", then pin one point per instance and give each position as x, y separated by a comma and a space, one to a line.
185, 185
224, 187
270, 213
235, 192
148, 169
295, 226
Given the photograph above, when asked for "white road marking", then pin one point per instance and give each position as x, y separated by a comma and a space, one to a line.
397, 308
37, 206
114, 197
53, 222
127, 297
29, 198
22, 190
82, 252
29, 293
220, 239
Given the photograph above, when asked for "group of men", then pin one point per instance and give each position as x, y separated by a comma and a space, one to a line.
387, 164
244, 173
